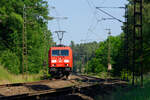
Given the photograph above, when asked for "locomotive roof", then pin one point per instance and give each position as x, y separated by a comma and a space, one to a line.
60, 45
66, 47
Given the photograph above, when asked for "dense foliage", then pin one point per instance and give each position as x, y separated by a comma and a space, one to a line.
99, 61
11, 30
88, 57
82, 53
93, 57
146, 37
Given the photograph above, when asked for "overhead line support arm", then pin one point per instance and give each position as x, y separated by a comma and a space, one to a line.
108, 14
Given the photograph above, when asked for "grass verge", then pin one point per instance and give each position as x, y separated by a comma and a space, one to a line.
6, 77
134, 93
129, 93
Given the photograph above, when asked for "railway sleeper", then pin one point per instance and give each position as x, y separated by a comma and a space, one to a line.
46, 95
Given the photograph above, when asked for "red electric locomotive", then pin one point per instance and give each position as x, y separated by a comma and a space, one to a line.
60, 61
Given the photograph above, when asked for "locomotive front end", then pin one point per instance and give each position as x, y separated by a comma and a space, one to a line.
60, 61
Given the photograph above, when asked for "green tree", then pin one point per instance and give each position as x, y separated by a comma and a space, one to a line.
39, 37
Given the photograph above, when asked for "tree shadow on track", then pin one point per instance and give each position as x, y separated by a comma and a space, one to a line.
68, 97
103, 88
38, 87
89, 80
1, 95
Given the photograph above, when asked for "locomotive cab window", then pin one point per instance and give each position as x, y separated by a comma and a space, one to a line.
64, 53
60, 52
55, 52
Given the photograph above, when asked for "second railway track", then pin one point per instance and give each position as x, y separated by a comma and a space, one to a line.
43, 90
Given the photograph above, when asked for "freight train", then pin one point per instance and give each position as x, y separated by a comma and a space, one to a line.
60, 61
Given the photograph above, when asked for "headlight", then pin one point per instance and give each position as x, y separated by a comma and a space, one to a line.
53, 65
53, 61
67, 64
66, 61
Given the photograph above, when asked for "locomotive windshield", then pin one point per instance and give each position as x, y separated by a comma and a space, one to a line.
55, 52
60, 53
64, 53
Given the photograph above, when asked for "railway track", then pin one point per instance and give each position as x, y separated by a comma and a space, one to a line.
20, 84
48, 89
47, 94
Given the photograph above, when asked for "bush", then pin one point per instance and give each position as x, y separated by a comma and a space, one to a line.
10, 61
99, 68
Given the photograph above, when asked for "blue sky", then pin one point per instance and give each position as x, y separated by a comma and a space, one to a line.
84, 22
